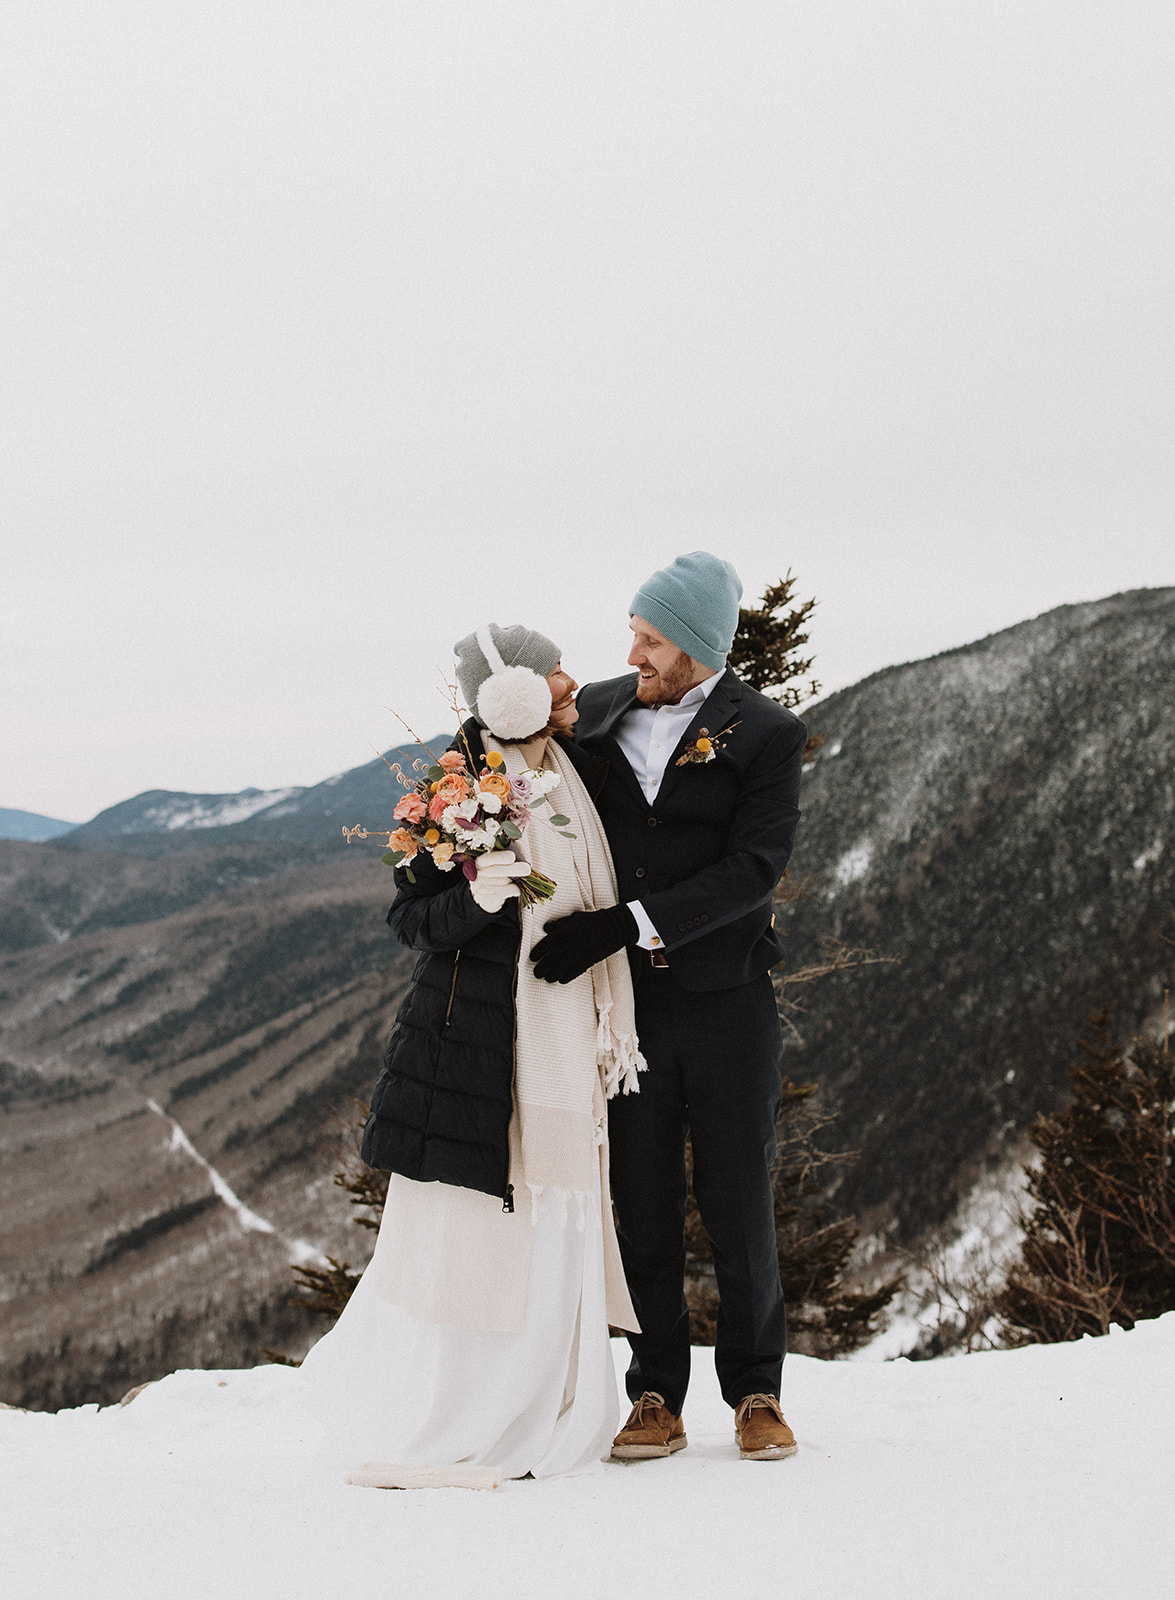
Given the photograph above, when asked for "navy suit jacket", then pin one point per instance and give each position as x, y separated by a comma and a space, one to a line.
706, 855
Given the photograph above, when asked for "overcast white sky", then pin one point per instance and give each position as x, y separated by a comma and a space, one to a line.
332, 328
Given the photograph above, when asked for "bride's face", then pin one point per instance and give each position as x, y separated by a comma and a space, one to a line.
564, 711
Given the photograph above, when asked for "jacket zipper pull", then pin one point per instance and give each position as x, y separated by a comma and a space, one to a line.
508, 1198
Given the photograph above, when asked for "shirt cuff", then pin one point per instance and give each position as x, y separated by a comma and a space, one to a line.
648, 937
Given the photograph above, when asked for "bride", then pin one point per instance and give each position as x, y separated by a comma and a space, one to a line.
478, 1336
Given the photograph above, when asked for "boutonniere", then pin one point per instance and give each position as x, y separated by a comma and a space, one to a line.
704, 746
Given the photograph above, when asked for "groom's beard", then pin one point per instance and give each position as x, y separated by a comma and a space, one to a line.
666, 688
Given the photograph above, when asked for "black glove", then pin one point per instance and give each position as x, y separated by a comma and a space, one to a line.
570, 945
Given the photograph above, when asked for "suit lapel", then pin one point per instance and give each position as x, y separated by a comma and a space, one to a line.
623, 701
592, 766
715, 712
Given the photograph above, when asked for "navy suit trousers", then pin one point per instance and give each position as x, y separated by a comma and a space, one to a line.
714, 1071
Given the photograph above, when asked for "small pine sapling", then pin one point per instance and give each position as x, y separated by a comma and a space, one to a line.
1099, 1245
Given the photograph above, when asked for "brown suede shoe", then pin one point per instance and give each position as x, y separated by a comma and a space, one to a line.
651, 1430
761, 1432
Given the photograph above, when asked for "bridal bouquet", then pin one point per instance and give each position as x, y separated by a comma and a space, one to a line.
456, 816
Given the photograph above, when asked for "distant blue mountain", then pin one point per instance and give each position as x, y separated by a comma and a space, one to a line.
30, 825
164, 820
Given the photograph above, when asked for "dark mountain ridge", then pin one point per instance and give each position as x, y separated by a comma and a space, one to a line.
1000, 819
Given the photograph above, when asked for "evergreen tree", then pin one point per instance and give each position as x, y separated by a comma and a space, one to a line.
767, 643
1099, 1245
326, 1290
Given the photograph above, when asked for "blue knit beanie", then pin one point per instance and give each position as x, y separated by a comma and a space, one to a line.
694, 603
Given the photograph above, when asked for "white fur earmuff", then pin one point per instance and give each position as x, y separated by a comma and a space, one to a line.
513, 702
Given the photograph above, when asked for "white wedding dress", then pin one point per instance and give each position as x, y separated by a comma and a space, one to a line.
392, 1386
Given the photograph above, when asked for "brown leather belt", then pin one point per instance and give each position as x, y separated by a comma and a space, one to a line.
658, 959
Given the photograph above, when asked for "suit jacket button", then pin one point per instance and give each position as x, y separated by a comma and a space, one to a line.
640, 872
652, 822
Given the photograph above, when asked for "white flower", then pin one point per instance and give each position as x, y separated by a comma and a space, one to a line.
543, 782
444, 866
490, 803
483, 838
467, 808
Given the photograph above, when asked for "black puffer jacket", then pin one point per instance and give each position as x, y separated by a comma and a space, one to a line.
440, 1112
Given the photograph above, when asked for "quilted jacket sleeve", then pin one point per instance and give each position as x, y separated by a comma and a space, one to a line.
437, 912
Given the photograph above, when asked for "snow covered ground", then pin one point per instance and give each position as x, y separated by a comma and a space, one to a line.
1046, 1472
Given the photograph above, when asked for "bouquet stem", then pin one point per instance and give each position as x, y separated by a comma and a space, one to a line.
535, 888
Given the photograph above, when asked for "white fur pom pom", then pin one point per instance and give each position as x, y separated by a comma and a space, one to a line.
514, 703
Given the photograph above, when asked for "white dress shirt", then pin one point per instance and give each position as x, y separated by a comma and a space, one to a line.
648, 736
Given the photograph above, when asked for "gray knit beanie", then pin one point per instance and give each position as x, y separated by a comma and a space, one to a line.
694, 603
517, 698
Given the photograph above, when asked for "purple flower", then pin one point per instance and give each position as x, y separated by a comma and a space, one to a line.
519, 790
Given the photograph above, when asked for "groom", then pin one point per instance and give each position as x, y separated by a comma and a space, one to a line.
700, 808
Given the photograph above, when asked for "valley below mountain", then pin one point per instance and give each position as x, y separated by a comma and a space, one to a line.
175, 1097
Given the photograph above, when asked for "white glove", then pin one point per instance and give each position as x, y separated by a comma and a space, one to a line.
494, 883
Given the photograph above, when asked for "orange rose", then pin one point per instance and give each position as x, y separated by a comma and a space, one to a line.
411, 809
443, 854
452, 761
403, 840
495, 783
452, 789
436, 807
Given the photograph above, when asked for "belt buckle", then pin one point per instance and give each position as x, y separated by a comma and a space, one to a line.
658, 959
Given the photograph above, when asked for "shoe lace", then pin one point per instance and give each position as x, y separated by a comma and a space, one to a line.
756, 1402
649, 1399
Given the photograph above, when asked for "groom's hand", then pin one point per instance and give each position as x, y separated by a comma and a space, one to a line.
570, 945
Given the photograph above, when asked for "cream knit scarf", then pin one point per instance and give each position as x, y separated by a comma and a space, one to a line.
575, 1043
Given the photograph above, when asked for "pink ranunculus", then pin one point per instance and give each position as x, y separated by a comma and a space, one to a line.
410, 809
452, 761
437, 807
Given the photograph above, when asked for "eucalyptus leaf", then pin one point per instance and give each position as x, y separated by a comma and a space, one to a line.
411, 874
566, 835
511, 830
559, 820
435, 774
392, 858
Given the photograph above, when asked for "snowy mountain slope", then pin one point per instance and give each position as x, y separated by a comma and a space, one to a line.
1016, 1475
1001, 819
165, 820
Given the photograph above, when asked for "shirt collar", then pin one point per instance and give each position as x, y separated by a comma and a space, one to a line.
700, 691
